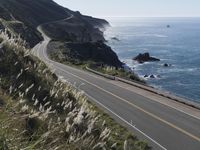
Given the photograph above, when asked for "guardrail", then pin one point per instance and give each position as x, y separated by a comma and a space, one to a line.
101, 74
148, 88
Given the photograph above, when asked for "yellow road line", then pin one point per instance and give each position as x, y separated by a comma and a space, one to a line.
165, 104
133, 105
139, 108
162, 103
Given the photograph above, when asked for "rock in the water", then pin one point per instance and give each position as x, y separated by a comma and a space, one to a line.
158, 76
152, 76
141, 58
167, 65
115, 39
145, 76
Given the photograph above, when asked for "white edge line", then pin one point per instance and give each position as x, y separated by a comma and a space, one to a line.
121, 117
126, 121
162, 103
47, 59
115, 113
136, 93
129, 90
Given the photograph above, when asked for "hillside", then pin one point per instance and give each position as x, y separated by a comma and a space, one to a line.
25, 15
59, 23
83, 53
39, 110
37, 11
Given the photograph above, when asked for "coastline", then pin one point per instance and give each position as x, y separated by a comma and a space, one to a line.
149, 88
167, 79
170, 94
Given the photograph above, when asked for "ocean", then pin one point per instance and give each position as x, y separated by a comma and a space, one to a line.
178, 45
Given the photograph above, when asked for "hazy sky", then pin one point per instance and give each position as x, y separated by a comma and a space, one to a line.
135, 8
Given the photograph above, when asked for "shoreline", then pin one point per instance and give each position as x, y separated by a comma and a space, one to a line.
162, 89
184, 99
155, 85
149, 88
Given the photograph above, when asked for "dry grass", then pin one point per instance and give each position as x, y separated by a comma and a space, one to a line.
39, 110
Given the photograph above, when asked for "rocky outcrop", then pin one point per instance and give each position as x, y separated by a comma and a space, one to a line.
167, 65
152, 76
141, 58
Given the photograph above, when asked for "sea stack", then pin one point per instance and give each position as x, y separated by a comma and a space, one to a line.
142, 58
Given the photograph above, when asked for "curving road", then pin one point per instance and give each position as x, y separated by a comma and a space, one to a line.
163, 123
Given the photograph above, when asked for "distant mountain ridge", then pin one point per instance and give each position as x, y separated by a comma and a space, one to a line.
32, 13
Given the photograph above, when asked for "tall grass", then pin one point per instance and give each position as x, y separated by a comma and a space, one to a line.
42, 111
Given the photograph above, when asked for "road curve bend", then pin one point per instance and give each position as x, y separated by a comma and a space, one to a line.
163, 123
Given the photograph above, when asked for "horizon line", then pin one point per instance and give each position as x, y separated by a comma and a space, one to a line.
102, 16
148, 16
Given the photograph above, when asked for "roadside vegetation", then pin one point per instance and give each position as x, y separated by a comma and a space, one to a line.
117, 72
39, 110
92, 55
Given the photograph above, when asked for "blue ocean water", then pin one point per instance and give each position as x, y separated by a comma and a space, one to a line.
178, 45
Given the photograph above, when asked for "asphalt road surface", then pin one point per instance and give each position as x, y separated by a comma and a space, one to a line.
163, 123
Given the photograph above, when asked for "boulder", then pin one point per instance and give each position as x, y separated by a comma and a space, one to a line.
167, 65
141, 58
152, 76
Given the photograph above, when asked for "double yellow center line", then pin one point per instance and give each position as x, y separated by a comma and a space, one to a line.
137, 107
131, 104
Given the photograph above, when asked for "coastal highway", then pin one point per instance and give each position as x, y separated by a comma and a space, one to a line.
165, 124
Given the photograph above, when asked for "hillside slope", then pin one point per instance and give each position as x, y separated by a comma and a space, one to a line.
31, 13
83, 53
39, 110
40, 11
22, 17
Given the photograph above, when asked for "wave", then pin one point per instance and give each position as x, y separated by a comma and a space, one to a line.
178, 70
148, 77
160, 36
150, 35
